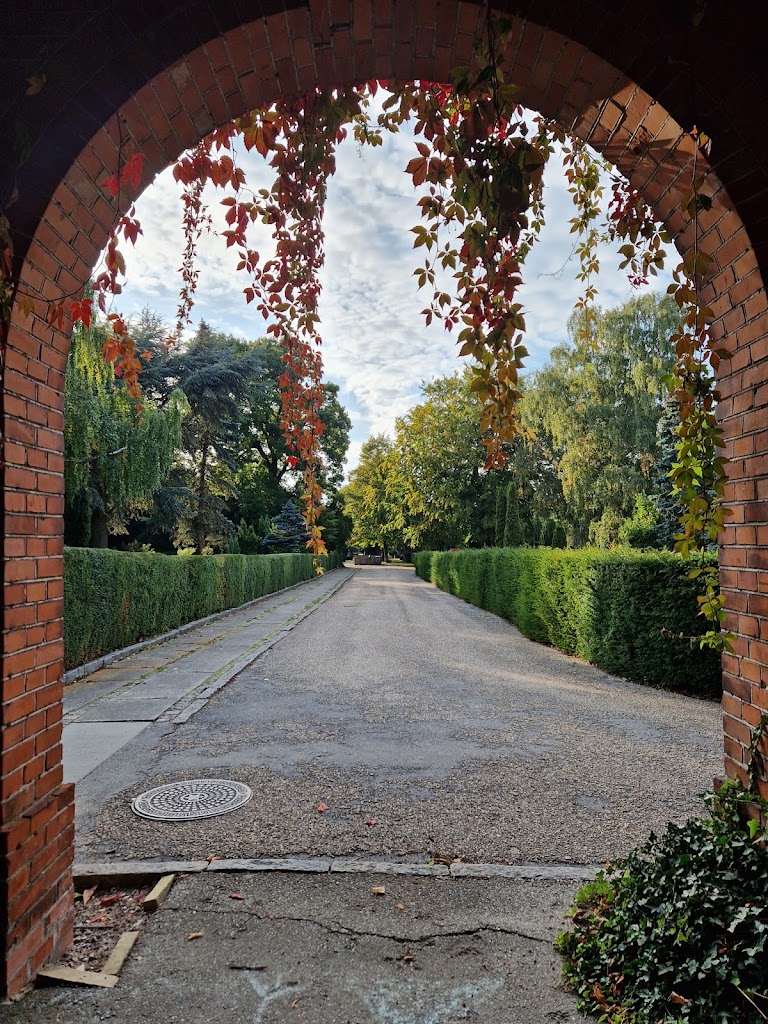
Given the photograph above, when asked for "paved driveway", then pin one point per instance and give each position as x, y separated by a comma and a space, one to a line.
429, 728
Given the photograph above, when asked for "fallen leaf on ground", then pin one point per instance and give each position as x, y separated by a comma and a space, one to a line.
236, 896
211, 858
98, 919
378, 890
322, 808
371, 821
108, 901
87, 893
399, 906
195, 935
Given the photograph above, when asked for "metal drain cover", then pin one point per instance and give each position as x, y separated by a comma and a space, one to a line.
193, 798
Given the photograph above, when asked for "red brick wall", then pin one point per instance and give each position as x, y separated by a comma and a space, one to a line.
248, 66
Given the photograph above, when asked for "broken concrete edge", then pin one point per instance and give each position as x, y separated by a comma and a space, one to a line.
89, 667
135, 871
157, 894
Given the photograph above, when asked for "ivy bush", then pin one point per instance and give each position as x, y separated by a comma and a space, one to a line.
624, 611
677, 932
115, 598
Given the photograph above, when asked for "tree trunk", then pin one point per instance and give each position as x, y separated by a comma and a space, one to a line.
99, 531
201, 499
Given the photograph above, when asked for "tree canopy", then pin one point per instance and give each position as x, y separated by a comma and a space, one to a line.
117, 451
591, 435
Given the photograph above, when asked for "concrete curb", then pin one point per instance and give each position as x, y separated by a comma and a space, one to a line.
139, 870
107, 659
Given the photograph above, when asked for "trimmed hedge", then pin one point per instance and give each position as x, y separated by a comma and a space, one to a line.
115, 598
607, 607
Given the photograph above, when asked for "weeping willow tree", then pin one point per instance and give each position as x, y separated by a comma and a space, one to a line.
116, 452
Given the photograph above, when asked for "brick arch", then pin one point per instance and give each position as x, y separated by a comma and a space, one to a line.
248, 66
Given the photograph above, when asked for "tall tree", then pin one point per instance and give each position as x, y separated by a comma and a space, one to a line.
439, 459
375, 512
216, 375
513, 530
117, 452
595, 408
233, 387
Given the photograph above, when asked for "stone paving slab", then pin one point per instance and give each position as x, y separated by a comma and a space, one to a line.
90, 744
311, 865
126, 710
105, 871
373, 867
157, 687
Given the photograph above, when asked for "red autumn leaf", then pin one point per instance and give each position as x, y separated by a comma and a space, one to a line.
56, 315
110, 350
112, 183
322, 808
132, 169
417, 168
81, 311
109, 901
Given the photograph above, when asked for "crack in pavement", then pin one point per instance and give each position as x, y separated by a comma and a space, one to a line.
336, 928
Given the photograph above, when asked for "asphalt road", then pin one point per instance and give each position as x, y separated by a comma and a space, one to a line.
429, 728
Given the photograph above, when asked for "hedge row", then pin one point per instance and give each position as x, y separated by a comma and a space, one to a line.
612, 608
114, 598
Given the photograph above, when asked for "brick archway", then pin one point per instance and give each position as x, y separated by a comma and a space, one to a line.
247, 66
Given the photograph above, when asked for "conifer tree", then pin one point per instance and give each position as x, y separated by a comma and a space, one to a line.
289, 531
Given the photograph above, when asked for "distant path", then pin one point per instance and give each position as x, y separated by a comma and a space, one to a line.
396, 703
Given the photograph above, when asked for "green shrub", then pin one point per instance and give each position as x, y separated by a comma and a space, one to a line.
677, 932
623, 610
114, 598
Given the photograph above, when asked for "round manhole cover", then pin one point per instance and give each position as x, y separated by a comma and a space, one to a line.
194, 798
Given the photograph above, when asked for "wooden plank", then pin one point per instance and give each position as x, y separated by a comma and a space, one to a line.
120, 953
153, 899
70, 976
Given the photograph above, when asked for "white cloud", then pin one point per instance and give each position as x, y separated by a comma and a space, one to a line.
376, 345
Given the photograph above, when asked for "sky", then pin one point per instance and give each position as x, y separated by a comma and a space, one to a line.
376, 346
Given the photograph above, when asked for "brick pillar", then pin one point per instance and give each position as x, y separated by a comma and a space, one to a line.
744, 551
37, 831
